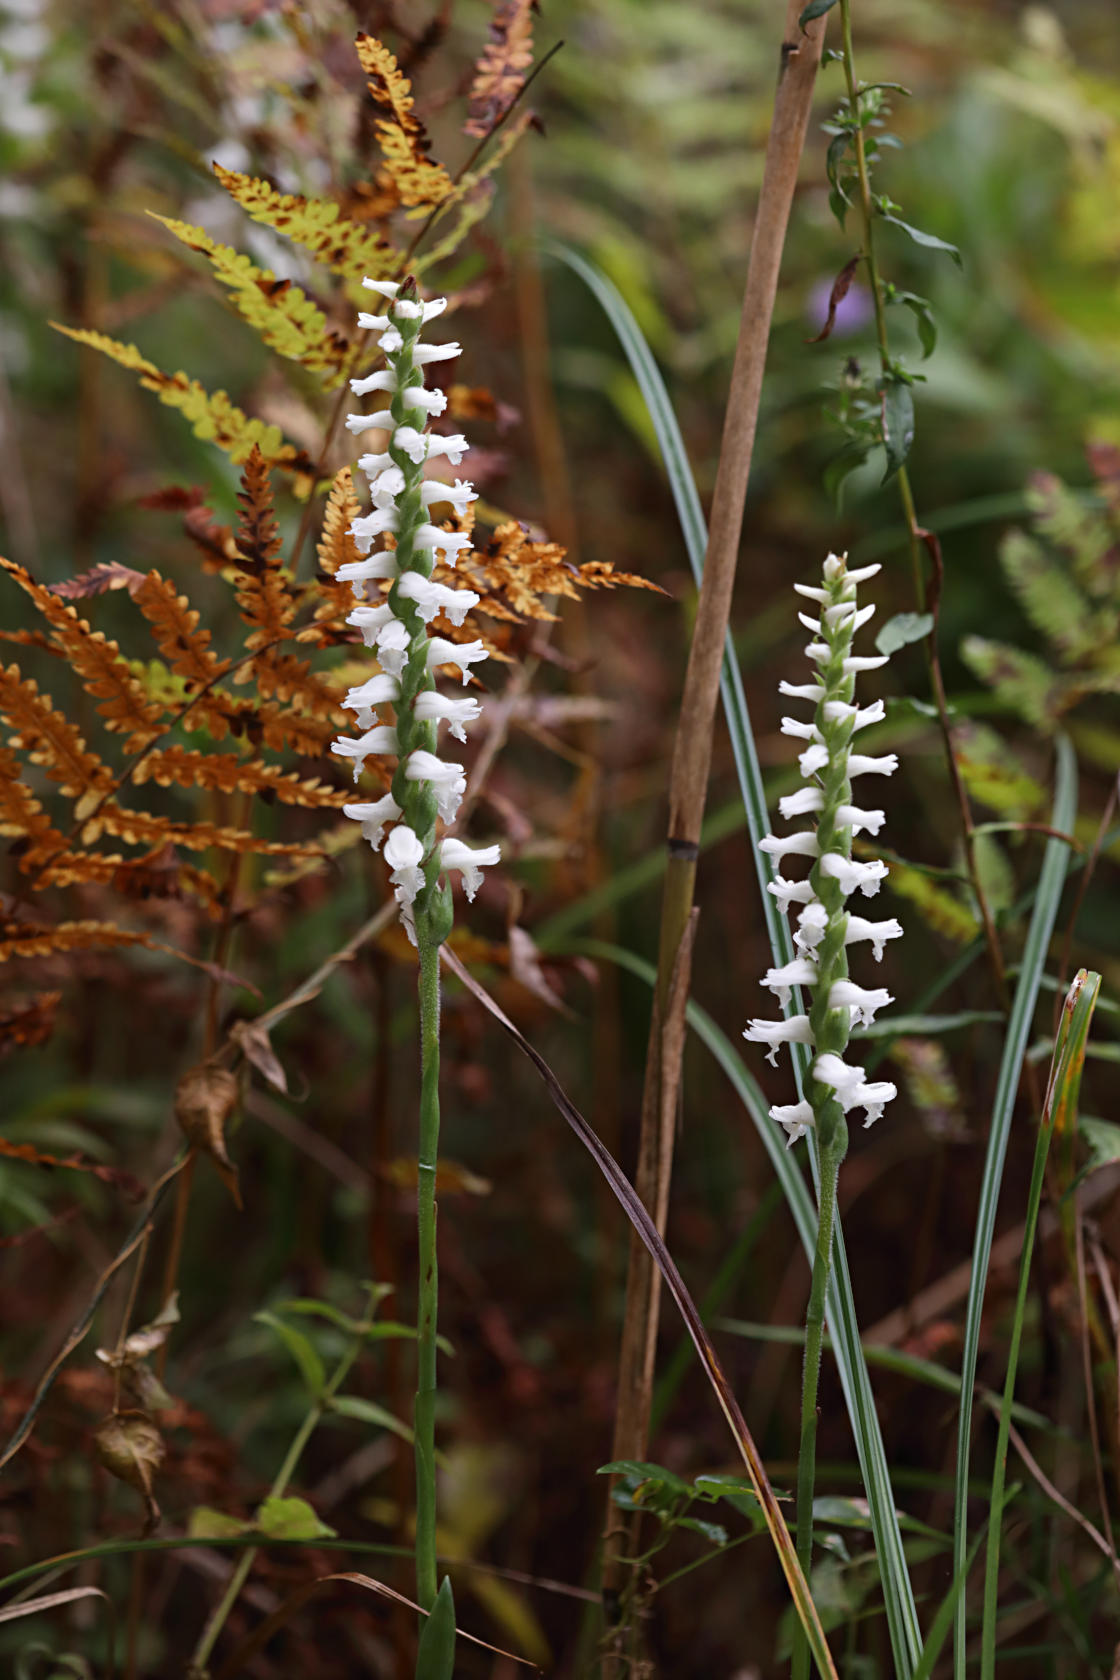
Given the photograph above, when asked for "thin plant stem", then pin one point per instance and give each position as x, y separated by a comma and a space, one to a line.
800, 57
917, 536
831, 1157
428, 1286
321, 1403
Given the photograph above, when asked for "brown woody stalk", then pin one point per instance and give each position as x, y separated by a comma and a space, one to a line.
800, 57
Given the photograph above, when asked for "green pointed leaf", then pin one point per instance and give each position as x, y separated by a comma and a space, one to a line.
291, 1519
715, 1532
435, 1660
301, 1349
923, 319
902, 629
367, 1411
815, 9
898, 425
929, 240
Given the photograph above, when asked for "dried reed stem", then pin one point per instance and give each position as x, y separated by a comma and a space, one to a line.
800, 57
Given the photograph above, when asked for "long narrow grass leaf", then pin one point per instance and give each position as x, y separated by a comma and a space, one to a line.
1051, 881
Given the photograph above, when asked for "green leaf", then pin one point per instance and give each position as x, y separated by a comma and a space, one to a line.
851, 457
207, 1524
929, 240
301, 1349
639, 1474
902, 629
435, 1658
322, 1309
815, 9
1103, 1140
367, 1411
898, 424
291, 1519
923, 319
715, 1532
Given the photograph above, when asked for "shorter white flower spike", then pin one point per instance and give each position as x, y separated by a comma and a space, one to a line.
877, 932
794, 1030
470, 861
373, 815
781, 981
844, 994
797, 1119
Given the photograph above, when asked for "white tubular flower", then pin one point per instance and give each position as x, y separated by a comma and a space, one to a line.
877, 932
426, 790
802, 803
797, 1118
794, 1029
862, 1002
469, 861
789, 892
838, 711
850, 816
434, 707
850, 874
447, 781
781, 981
824, 930
812, 925
382, 690
404, 853
802, 844
383, 564
373, 815
463, 654
432, 598
459, 494
374, 743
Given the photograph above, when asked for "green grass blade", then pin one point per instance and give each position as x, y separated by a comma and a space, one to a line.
898, 1594
1061, 1105
1051, 881
435, 1659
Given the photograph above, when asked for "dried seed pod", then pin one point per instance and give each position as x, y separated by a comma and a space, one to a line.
204, 1100
131, 1448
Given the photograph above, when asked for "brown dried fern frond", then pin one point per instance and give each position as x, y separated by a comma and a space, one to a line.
502, 66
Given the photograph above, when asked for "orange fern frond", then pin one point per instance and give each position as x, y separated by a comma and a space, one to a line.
229, 773
258, 536
500, 72
46, 939
107, 574
421, 182
104, 672
145, 828
22, 818
50, 739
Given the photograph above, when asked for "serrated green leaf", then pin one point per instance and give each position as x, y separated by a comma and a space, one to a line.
435, 1659
302, 1350
368, 1411
898, 425
929, 240
291, 1519
902, 629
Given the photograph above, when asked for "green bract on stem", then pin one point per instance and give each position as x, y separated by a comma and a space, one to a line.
426, 790
825, 929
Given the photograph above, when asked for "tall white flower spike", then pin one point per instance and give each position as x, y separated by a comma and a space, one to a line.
426, 790
824, 929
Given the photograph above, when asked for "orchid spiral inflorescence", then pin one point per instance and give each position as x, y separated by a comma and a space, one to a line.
825, 929
425, 787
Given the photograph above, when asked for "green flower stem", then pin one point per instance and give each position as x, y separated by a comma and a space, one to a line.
428, 1293
814, 1341
914, 532
197, 1669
